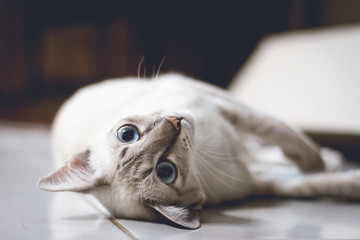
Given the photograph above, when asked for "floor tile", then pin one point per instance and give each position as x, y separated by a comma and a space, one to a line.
264, 219
29, 213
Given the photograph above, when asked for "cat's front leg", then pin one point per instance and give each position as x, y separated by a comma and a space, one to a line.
297, 146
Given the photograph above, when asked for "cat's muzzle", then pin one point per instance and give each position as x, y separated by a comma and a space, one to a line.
175, 121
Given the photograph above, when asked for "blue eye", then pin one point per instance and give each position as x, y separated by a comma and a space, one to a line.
128, 134
166, 171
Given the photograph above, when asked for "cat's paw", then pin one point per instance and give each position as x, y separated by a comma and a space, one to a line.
308, 160
333, 159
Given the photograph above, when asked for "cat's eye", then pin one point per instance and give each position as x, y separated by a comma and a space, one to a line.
128, 134
166, 171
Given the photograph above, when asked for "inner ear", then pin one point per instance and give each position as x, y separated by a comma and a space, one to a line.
188, 217
75, 175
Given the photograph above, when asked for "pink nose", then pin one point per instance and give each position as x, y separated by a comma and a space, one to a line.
176, 122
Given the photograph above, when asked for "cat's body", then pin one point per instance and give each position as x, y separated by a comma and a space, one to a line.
193, 143
170, 95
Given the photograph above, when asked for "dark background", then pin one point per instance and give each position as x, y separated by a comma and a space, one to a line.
49, 48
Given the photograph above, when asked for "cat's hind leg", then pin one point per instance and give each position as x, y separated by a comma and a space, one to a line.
288, 181
339, 185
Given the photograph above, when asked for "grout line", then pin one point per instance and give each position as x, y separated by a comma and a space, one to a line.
127, 232
111, 219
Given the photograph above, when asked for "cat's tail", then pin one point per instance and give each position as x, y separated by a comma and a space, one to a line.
289, 181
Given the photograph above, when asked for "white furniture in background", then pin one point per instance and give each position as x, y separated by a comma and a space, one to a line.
307, 78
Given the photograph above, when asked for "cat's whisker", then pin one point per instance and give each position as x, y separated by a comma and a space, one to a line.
202, 161
218, 154
219, 179
139, 67
221, 171
207, 187
201, 179
159, 68
208, 140
213, 156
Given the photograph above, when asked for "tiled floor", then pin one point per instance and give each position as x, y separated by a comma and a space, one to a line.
28, 213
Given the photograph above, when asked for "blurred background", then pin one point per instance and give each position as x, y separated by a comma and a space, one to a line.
48, 49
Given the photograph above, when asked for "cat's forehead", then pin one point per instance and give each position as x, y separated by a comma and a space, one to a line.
143, 119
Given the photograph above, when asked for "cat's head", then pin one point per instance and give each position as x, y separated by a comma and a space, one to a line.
142, 169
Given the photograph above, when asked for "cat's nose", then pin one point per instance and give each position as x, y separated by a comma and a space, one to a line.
176, 122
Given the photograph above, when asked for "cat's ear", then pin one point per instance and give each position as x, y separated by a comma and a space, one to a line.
75, 175
188, 217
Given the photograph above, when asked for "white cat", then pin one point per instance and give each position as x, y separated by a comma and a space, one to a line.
149, 149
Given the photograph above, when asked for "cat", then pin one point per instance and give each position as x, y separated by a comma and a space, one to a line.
161, 148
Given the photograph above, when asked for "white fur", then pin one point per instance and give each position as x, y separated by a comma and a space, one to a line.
91, 113
229, 159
